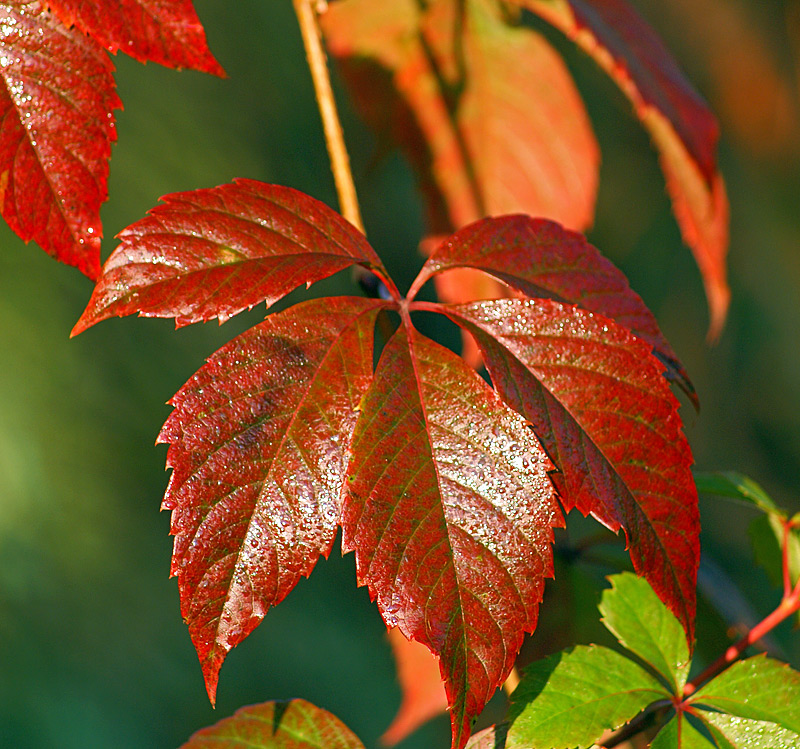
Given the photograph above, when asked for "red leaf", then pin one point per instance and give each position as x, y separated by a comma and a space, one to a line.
423, 691
258, 448
214, 252
487, 114
450, 512
56, 130
164, 31
295, 724
601, 408
678, 120
540, 258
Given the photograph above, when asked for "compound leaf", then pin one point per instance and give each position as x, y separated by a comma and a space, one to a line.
487, 114
164, 31
259, 439
56, 108
569, 699
634, 615
679, 733
605, 414
731, 732
295, 724
214, 252
679, 122
450, 512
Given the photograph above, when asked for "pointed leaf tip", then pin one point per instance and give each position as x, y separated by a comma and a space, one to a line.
214, 252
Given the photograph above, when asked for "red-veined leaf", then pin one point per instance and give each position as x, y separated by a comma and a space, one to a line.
602, 409
678, 120
487, 113
450, 511
421, 681
540, 258
56, 130
295, 724
214, 252
258, 447
164, 31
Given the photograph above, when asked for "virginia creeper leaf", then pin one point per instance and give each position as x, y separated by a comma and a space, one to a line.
736, 486
682, 127
258, 448
606, 416
757, 688
217, 251
731, 732
421, 681
487, 114
679, 733
540, 258
569, 699
164, 31
295, 724
493, 737
634, 615
450, 512
56, 130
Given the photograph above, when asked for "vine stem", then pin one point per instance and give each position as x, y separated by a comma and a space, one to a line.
306, 11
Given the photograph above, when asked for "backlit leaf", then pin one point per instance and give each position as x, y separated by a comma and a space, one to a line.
296, 724
731, 732
679, 122
164, 31
757, 688
679, 733
736, 486
56, 130
540, 258
493, 737
487, 114
635, 616
450, 512
569, 699
258, 449
215, 252
604, 413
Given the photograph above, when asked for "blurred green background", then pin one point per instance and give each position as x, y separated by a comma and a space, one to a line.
93, 652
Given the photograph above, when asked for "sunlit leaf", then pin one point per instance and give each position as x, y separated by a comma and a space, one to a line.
731, 732
569, 699
164, 31
217, 251
57, 127
679, 733
487, 114
604, 413
259, 440
450, 512
296, 724
635, 616
679, 122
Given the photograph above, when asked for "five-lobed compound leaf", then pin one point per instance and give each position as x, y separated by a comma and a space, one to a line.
757, 688
605, 414
569, 699
539, 257
217, 251
450, 512
164, 31
56, 107
679, 122
634, 615
487, 114
295, 724
259, 441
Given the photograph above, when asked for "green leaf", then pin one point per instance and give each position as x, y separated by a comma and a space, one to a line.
680, 734
731, 732
758, 688
570, 698
636, 617
736, 486
295, 724
766, 536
